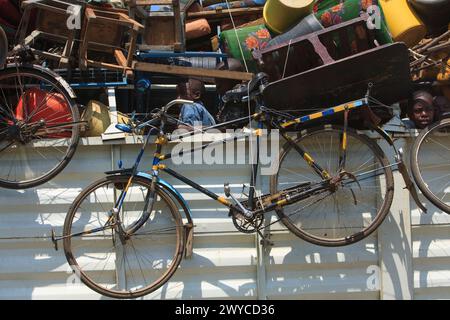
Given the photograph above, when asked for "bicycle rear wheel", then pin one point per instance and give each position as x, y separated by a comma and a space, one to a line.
113, 267
430, 163
39, 127
355, 208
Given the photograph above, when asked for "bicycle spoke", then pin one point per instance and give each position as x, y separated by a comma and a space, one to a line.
142, 258
361, 192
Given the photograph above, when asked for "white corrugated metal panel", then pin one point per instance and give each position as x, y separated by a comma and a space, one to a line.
299, 270
431, 247
395, 262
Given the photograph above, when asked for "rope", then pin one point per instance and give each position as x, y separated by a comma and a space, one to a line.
237, 38
287, 56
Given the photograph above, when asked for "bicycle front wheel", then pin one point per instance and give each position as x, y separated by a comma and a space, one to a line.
430, 163
114, 266
357, 204
39, 127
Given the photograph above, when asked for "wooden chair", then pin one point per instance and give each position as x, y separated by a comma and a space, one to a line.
51, 25
104, 31
164, 30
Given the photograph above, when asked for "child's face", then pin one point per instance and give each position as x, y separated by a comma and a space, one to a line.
421, 114
184, 91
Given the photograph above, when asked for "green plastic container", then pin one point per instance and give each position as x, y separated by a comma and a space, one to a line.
249, 38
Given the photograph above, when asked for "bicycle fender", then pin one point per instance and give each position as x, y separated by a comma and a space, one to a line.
50, 73
172, 189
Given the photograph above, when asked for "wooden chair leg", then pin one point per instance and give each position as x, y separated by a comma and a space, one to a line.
122, 61
65, 57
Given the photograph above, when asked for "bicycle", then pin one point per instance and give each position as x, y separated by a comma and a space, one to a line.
430, 145
432, 58
37, 110
124, 235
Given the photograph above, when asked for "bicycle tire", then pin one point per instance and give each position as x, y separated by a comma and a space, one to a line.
3, 46
419, 147
326, 226
58, 132
78, 252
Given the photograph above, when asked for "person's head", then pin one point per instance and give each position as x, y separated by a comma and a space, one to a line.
421, 109
193, 89
223, 85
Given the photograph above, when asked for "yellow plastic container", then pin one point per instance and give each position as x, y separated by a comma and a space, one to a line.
97, 116
280, 15
403, 23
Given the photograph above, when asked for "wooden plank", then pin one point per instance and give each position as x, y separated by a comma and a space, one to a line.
223, 13
153, 2
105, 65
194, 72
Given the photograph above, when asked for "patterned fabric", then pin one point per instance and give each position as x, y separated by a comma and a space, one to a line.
321, 5
351, 9
250, 38
236, 4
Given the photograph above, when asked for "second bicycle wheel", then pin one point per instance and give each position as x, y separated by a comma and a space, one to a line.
39, 127
123, 268
430, 163
356, 206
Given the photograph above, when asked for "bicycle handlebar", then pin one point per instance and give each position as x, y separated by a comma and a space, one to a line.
175, 102
131, 127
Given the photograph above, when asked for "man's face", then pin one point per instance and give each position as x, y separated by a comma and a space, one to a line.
422, 114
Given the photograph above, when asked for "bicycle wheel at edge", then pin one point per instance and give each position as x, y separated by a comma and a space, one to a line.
39, 127
355, 209
430, 163
140, 265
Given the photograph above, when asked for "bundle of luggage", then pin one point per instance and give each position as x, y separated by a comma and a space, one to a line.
304, 43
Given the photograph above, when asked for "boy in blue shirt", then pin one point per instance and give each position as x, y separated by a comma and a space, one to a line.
193, 114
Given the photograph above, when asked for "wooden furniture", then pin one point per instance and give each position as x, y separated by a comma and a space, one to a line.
191, 72
53, 24
104, 32
164, 29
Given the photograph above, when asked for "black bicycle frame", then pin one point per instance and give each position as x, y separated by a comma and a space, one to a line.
263, 117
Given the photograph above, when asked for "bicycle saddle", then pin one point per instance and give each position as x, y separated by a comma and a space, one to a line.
245, 90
